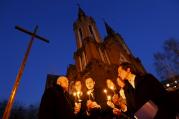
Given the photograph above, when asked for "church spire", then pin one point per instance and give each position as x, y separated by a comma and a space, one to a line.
109, 30
81, 13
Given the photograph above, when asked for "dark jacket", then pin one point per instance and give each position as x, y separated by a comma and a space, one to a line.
147, 88
99, 113
82, 113
55, 104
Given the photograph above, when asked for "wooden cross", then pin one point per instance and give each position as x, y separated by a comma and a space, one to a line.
19, 75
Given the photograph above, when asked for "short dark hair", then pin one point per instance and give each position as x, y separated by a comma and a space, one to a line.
126, 65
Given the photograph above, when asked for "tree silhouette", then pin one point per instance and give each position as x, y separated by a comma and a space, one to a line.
167, 62
19, 111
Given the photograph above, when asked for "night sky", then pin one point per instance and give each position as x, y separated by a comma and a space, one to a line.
144, 25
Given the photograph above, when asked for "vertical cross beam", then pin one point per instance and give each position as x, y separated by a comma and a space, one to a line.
19, 75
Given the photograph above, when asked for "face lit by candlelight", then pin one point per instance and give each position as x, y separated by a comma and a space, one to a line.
63, 82
123, 74
78, 86
89, 83
110, 84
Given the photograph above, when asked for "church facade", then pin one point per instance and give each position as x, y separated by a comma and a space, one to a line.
96, 57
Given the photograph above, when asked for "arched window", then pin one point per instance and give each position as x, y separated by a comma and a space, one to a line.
101, 55
81, 33
91, 31
80, 63
83, 60
107, 57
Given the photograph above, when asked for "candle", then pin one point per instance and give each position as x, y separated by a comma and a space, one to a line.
112, 88
74, 94
109, 98
105, 91
88, 93
79, 94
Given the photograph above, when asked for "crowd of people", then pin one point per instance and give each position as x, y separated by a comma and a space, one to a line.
130, 96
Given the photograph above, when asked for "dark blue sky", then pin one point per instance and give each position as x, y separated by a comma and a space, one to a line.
144, 25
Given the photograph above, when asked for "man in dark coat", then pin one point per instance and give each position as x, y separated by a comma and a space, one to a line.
55, 102
141, 89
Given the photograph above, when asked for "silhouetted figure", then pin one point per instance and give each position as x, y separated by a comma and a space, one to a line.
56, 103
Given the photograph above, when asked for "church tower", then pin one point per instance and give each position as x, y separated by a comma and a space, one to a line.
97, 57
87, 40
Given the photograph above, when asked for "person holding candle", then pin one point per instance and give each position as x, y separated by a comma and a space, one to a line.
79, 106
110, 92
78, 91
146, 89
93, 108
96, 101
111, 86
115, 101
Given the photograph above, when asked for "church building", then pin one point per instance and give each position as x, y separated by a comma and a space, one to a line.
96, 57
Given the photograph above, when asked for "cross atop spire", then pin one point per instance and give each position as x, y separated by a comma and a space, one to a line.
109, 30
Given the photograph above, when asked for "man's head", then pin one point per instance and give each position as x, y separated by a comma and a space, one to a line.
89, 83
125, 69
63, 82
78, 85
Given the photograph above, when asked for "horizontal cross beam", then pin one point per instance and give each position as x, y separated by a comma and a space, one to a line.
32, 34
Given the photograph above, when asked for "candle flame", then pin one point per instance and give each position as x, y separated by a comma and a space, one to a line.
112, 88
108, 97
88, 92
78, 93
105, 91
74, 94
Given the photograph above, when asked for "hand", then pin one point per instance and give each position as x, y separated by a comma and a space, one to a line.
77, 108
90, 104
96, 105
110, 104
123, 107
116, 111
115, 99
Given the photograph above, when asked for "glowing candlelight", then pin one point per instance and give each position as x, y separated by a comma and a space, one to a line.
109, 98
74, 94
112, 87
105, 91
79, 94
